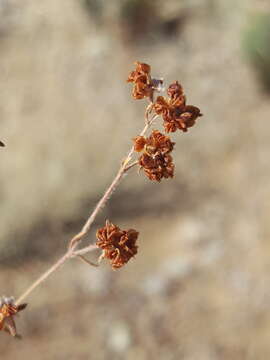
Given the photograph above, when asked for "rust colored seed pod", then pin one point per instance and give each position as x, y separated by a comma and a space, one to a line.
142, 82
154, 143
119, 246
175, 90
174, 111
139, 143
158, 167
155, 159
8, 310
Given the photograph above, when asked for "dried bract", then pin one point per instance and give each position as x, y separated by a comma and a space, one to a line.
175, 113
175, 90
119, 246
142, 82
155, 160
8, 310
156, 142
157, 167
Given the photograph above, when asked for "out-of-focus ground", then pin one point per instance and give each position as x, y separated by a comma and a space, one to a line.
199, 287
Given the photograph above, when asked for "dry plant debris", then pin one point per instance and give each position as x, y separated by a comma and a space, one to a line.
8, 310
155, 159
117, 245
175, 113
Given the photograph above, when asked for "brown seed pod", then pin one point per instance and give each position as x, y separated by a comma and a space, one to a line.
119, 246
142, 82
174, 111
8, 310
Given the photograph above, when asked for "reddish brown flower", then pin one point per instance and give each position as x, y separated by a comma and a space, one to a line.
139, 143
119, 246
8, 310
158, 166
155, 160
156, 142
175, 113
175, 90
142, 81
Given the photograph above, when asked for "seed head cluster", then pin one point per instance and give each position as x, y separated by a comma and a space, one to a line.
155, 160
142, 82
119, 246
8, 310
144, 85
174, 111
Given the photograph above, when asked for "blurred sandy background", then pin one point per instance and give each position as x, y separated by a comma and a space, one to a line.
199, 288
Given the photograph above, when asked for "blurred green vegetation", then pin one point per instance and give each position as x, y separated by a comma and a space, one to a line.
256, 44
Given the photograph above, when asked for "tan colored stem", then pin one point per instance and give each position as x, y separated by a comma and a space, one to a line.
86, 261
72, 252
43, 277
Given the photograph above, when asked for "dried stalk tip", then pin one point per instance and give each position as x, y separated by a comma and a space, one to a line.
119, 246
142, 82
155, 160
175, 113
8, 310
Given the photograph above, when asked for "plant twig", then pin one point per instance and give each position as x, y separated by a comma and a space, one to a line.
86, 261
74, 242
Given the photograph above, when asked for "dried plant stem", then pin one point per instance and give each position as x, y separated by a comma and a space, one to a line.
86, 261
44, 276
74, 242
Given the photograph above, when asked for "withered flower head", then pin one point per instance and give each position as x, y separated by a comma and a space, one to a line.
1, 143
119, 246
8, 309
175, 90
155, 160
158, 166
156, 142
175, 113
142, 82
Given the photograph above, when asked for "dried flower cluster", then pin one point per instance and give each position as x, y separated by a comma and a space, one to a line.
175, 113
143, 84
119, 246
155, 160
8, 310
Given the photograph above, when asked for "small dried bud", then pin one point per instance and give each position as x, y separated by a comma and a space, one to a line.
157, 167
175, 90
8, 310
188, 117
174, 111
155, 160
139, 142
143, 68
142, 81
119, 246
156, 142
